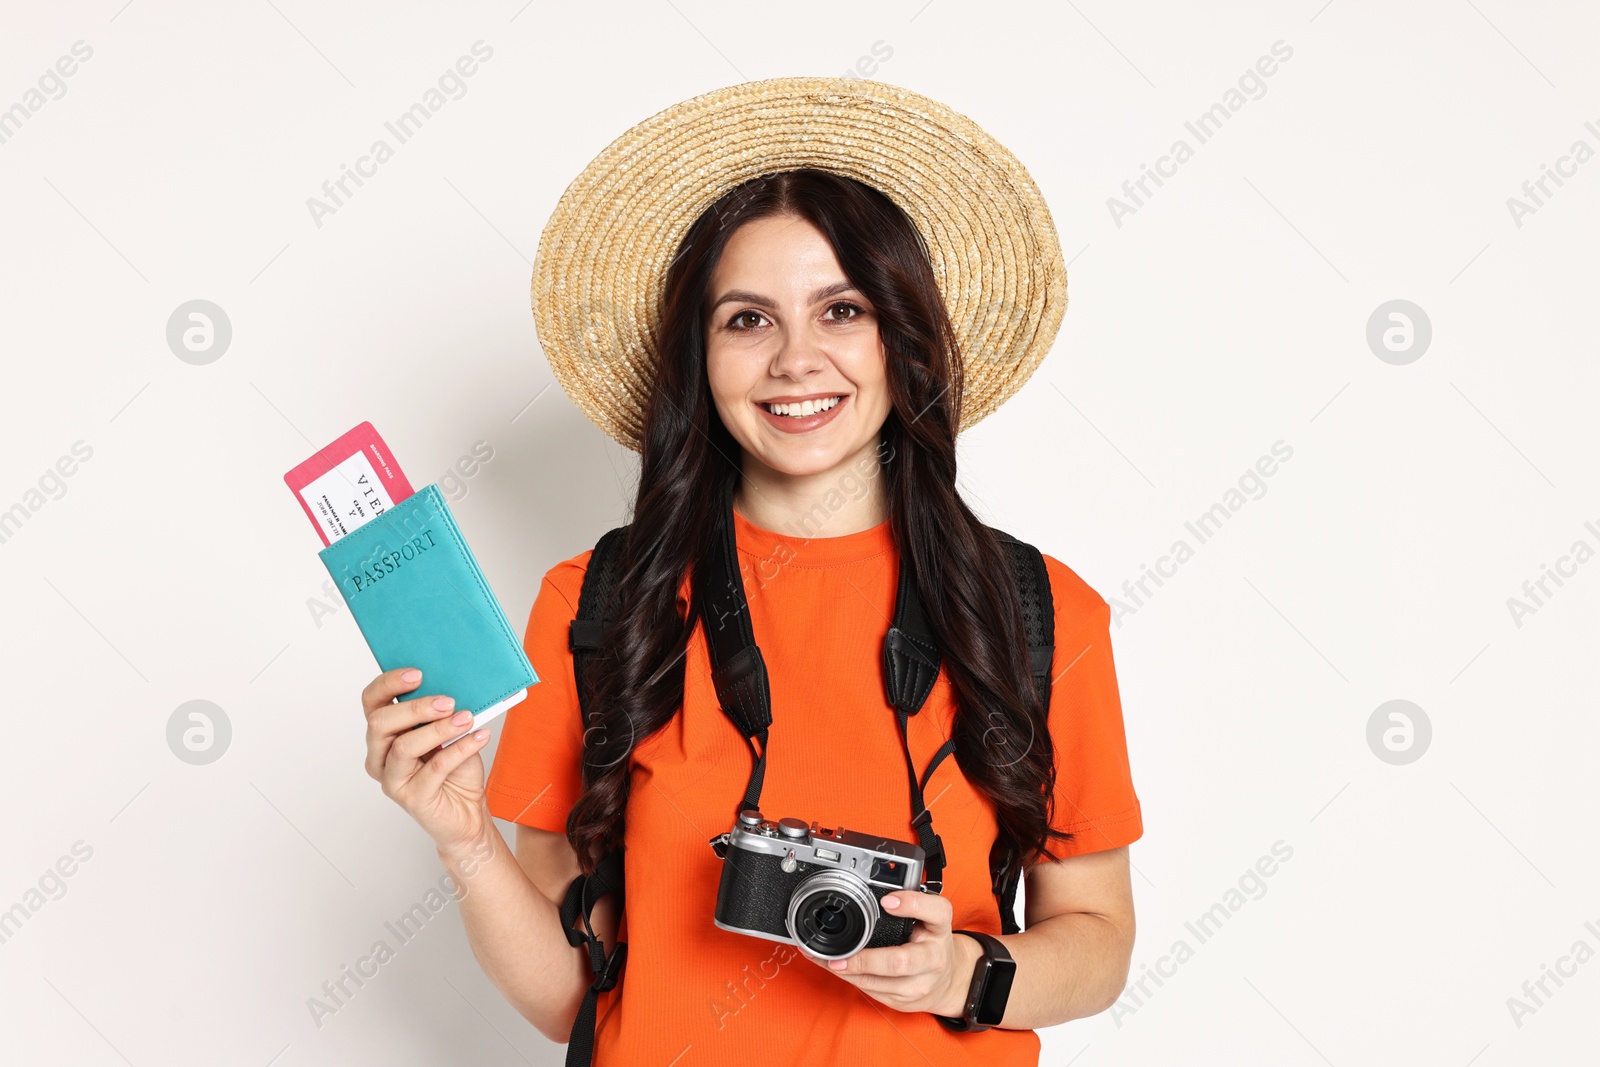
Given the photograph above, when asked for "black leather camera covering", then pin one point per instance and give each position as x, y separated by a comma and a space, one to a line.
754, 895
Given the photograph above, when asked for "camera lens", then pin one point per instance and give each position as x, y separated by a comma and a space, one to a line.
832, 914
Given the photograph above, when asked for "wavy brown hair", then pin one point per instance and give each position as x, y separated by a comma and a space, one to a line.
689, 458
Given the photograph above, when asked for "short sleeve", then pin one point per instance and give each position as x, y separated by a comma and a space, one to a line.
1094, 796
537, 774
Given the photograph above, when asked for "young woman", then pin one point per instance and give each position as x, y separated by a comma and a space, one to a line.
809, 374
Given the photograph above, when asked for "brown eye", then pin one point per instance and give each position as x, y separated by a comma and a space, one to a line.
738, 321
843, 304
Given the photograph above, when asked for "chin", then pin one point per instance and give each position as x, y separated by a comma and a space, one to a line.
798, 462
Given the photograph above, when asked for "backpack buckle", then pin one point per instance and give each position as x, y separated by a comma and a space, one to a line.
1003, 882
611, 973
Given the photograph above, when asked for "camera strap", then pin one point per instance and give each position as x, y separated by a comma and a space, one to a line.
739, 674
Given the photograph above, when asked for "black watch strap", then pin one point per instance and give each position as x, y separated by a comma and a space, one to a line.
990, 989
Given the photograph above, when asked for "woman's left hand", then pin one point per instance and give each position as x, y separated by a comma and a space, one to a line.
931, 972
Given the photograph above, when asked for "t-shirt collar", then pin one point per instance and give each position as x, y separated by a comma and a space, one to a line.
810, 545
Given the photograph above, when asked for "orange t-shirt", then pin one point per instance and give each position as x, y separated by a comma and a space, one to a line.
692, 993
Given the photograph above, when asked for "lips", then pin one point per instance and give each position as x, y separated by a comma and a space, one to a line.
802, 423
801, 408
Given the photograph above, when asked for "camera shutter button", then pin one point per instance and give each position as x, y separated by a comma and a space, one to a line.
793, 828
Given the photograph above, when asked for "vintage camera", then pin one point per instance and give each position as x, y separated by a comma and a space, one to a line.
813, 886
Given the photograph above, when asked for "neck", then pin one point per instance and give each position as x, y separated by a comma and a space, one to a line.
845, 499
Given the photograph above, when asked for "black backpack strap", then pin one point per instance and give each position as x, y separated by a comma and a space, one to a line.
1037, 605
600, 580
581, 896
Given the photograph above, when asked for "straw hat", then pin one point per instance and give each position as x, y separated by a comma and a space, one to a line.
603, 255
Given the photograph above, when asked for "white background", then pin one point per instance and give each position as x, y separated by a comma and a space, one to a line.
1227, 313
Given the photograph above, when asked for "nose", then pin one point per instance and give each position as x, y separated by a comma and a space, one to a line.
800, 355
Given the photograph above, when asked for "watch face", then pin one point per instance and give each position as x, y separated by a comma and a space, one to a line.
996, 991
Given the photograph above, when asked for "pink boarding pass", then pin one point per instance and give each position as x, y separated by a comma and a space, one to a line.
349, 483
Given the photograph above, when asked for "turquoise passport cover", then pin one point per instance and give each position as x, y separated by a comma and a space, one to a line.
420, 600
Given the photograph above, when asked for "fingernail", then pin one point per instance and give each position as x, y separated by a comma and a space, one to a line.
836, 965
443, 703
461, 718
480, 735
413, 675
891, 901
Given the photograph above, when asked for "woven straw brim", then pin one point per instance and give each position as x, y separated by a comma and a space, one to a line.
602, 259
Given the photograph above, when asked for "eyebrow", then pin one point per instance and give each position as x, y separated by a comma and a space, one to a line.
745, 296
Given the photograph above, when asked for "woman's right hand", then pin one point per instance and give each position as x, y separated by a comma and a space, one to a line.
440, 788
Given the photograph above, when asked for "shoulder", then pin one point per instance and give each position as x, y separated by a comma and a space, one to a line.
1077, 605
566, 577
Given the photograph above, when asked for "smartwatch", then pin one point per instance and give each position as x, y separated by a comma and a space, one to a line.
991, 986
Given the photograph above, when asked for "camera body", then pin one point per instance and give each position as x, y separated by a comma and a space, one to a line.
812, 886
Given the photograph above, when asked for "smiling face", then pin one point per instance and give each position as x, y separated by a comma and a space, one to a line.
796, 366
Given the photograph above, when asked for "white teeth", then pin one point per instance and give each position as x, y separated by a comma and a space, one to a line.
803, 408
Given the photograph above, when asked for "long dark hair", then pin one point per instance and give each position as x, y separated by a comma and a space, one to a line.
1002, 740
